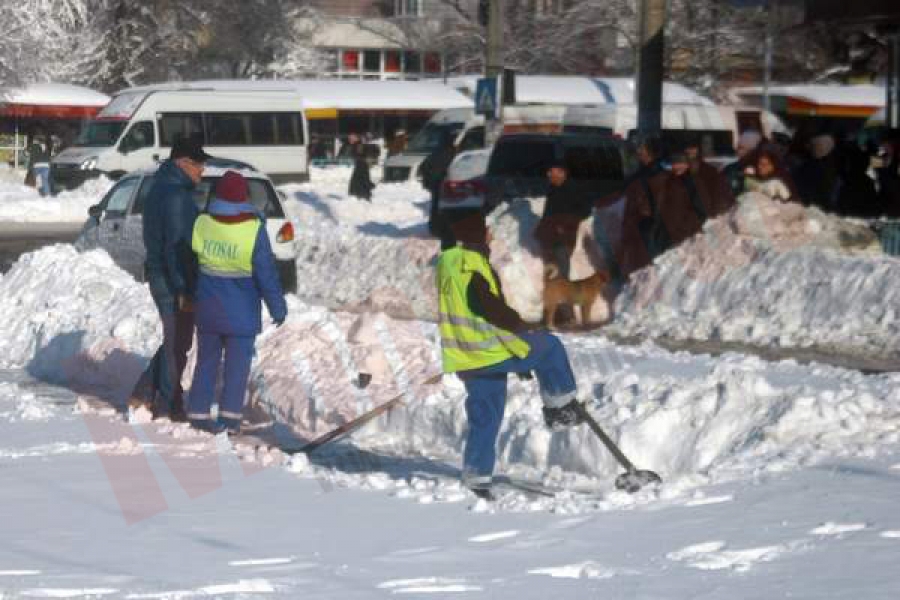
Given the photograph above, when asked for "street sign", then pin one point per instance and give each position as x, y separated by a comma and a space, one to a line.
486, 97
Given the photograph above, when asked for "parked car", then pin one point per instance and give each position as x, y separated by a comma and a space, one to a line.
115, 223
464, 186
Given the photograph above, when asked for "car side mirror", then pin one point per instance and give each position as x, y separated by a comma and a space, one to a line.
95, 211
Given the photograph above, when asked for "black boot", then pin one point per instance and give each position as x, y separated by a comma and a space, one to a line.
484, 493
563, 417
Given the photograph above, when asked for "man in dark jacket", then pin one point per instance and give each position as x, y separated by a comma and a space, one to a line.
694, 192
566, 207
643, 231
171, 270
361, 184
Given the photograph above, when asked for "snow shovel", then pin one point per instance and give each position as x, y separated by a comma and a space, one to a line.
632, 479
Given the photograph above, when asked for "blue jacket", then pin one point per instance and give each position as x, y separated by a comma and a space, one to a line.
232, 305
168, 222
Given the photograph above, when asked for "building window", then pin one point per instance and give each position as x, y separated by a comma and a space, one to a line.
433, 62
372, 61
413, 62
408, 8
350, 60
392, 62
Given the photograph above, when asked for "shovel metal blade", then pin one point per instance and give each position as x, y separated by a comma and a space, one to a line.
633, 481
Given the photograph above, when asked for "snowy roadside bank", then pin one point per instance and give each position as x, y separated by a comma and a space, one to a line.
777, 277
782, 281
22, 204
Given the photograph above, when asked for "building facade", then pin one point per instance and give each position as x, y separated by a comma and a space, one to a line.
380, 39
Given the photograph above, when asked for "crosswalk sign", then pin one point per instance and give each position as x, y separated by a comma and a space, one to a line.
486, 97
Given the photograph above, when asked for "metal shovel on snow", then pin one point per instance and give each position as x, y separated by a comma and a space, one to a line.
633, 479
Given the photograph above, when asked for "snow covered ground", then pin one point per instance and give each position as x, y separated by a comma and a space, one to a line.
22, 204
780, 478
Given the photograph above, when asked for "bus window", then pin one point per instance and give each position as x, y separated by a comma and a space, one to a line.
226, 129
175, 125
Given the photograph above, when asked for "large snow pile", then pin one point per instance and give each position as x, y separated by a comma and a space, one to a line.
358, 255
23, 204
76, 318
768, 275
771, 275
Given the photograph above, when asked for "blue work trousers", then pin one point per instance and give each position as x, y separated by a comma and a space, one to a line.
238, 356
486, 401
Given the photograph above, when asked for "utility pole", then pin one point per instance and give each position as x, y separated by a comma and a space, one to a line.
892, 104
493, 64
767, 60
650, 65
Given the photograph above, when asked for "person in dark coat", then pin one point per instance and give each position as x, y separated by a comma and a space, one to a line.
39, 164
643, 232
566, 207
237, 271
888, 174
712, 186
434, 171
361, 184
171, 271
858, 196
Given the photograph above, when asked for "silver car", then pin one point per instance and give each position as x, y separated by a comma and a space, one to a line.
115, 223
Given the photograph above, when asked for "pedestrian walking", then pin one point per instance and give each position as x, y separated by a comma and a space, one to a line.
39, 165
361, 184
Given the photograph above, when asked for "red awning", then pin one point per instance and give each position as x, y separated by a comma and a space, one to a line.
48, 111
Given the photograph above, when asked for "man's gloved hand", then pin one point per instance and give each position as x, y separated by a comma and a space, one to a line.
278, 322
185, 304
525, 375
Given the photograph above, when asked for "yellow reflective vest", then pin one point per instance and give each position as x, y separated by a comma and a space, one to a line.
224, 249
468, 341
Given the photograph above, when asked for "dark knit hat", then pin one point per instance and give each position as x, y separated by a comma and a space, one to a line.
232, 187
467, 225
188, 147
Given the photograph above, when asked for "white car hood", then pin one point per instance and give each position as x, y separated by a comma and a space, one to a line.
76, 155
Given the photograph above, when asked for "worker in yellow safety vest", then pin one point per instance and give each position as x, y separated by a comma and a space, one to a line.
483, 339
237, 271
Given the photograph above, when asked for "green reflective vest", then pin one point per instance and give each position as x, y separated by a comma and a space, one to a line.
224, 249
468, 341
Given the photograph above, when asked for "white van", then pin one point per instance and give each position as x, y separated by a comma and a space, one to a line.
265, 128
467, 130
716, 126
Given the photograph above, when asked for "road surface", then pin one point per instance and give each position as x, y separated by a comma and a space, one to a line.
17, 238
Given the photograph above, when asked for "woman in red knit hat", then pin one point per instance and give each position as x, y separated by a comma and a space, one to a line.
237, 271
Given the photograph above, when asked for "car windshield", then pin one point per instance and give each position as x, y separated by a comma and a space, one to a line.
262, 196
101, 133
430, 136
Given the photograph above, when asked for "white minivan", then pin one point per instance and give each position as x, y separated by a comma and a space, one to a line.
262, 126
717, 128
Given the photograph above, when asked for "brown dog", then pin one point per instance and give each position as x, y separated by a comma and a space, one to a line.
558, 290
